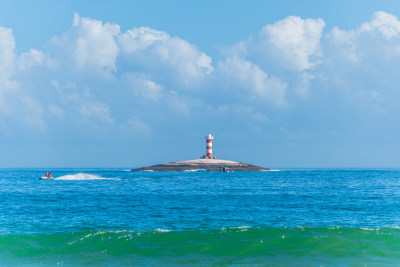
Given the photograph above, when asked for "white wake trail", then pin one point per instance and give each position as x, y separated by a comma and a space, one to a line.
82, 176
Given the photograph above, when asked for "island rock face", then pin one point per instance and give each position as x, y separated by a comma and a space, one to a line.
203, 165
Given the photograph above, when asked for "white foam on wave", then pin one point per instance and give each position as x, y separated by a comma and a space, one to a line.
162, 230
82, 176
369, 229
241, 228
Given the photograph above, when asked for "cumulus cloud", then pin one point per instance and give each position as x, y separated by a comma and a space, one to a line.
364, 61
95, 75
89, 44
375, 42
279, 60
7, 66
82, 101
382, 23
139, 39
93, 70
339, 45
238, 73
170, 58
142, 85
7, 55
30, 59
292, 44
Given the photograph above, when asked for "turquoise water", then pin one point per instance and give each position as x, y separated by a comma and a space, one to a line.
297, 217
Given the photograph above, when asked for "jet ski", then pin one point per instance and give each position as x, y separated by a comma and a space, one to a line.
45, 178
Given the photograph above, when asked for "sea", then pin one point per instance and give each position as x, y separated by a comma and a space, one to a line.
116, 217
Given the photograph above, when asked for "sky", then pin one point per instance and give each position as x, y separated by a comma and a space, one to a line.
124, 84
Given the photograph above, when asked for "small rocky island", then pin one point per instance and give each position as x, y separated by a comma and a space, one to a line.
205, 163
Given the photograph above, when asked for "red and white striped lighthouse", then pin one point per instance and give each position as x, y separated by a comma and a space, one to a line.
209, 139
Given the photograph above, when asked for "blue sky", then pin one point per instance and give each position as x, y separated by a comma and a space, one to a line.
132, 83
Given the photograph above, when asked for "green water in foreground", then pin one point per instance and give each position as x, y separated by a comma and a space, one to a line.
299, 246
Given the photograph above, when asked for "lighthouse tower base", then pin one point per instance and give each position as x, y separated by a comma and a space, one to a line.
205, 157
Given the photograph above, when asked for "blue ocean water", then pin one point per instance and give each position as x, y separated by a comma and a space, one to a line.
277, 218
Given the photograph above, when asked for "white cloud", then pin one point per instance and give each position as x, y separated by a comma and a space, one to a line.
374, 43
79, 102
340, 46
7, 55
140, 63
376, 40
279, 61
89, 43
361, 65
7, 67
291, 43
141, 38
87, 105
143, 86
155, 51
30, 59
292, 55
383, 23
258, 85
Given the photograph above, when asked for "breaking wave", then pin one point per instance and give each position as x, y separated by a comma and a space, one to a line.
304, 246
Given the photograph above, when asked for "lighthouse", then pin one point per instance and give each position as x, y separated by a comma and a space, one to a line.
208, 154
206, 163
